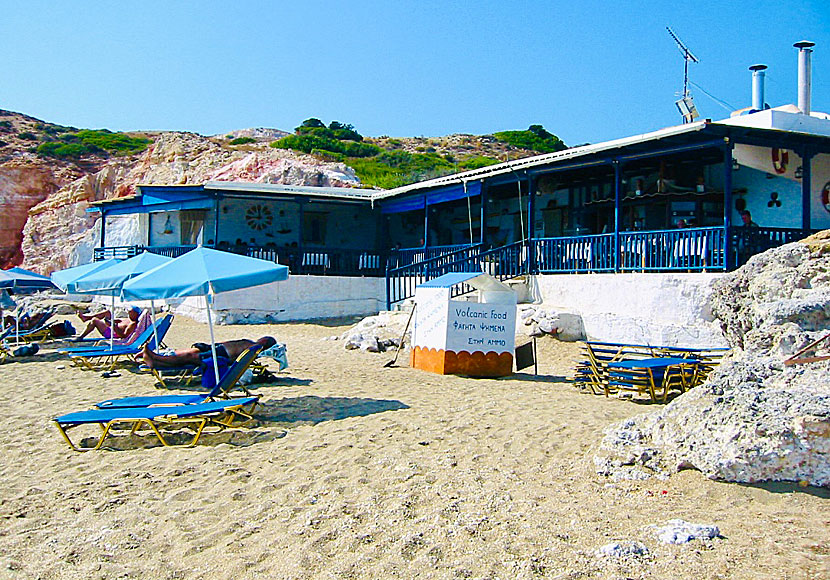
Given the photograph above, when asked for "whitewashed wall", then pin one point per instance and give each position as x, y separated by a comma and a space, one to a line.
660, 309
298, 298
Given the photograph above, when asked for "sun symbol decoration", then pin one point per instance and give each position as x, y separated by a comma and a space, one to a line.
259, 217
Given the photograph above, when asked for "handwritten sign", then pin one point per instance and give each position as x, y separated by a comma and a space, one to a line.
481, 327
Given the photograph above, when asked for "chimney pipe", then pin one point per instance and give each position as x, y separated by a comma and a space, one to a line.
805, 51
758, 86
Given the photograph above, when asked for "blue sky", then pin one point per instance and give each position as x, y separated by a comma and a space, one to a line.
588, 71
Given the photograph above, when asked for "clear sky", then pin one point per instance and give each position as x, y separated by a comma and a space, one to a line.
587, 70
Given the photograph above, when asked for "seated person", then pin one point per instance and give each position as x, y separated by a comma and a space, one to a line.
101, 322
229, 349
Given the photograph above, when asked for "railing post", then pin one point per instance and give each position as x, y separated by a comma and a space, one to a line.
531, 224
617, 214
727, 203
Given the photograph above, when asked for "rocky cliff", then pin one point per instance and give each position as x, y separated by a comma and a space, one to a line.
756, 419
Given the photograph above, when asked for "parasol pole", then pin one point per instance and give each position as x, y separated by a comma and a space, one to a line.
208, 301
153, 322
112, 321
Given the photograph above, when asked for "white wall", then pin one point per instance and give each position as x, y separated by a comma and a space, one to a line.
659, 309
298, 298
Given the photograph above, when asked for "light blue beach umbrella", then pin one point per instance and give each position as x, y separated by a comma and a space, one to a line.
203, 272
20, 279
67, 279
111, 279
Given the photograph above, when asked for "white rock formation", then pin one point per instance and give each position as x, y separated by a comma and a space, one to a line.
755, 419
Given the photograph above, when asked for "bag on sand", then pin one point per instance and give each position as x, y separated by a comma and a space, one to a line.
61, 329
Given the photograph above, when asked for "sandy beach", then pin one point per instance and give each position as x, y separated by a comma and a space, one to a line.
353, 470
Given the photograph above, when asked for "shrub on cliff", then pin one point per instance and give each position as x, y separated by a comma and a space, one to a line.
536, 138
88, 142
242, 141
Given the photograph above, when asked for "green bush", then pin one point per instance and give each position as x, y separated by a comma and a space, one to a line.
6, 124
88, 141
242, 141
476, 162
535, 138
65, 150
28, 135
328, 155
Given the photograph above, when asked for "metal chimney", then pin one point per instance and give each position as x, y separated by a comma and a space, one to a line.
758, 86
805, 52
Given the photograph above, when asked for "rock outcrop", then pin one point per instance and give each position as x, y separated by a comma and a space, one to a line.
755, 419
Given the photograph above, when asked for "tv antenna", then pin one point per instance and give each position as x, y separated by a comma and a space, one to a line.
685, 105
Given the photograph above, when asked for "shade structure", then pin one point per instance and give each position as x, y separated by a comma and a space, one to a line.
203, 272
111, 279
65, 279
15, 278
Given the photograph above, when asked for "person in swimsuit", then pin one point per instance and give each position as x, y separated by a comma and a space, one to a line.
230, 349
101, 322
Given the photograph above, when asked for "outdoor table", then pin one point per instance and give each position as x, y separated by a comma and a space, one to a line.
655, 367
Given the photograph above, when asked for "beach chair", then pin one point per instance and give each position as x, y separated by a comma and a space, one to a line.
226, 384
142, 324
97, 358
640, 381
132, 420
4, 352
41, 332
681, 377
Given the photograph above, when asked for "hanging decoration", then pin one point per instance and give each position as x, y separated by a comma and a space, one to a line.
259, 217
168, 227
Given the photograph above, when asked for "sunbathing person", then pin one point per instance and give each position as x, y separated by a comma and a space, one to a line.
229, 349
101, 322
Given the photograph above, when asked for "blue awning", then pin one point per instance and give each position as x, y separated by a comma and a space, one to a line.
442, 195
454, 192
402, 205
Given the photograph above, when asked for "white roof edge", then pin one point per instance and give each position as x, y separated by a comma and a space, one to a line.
508, 166
349, 192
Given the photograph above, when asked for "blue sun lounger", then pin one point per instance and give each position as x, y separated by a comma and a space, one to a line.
225, 384
93, 358
219, 414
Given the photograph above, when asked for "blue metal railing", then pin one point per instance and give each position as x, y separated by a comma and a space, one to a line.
694, 250
574, 254
403, 256
402, 280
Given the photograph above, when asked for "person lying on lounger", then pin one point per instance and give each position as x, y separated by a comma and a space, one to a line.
101, 322
229, 349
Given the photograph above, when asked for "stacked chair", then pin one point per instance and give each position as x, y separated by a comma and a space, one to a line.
597, 373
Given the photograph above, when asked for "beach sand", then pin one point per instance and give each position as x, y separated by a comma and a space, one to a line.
354, 470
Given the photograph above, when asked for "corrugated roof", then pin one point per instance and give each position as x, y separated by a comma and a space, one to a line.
281, 189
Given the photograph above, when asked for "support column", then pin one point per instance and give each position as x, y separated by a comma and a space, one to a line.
806, 193
727, 203
483, 220
617, 213
426, 225
103, 228
531, 225
216, 208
